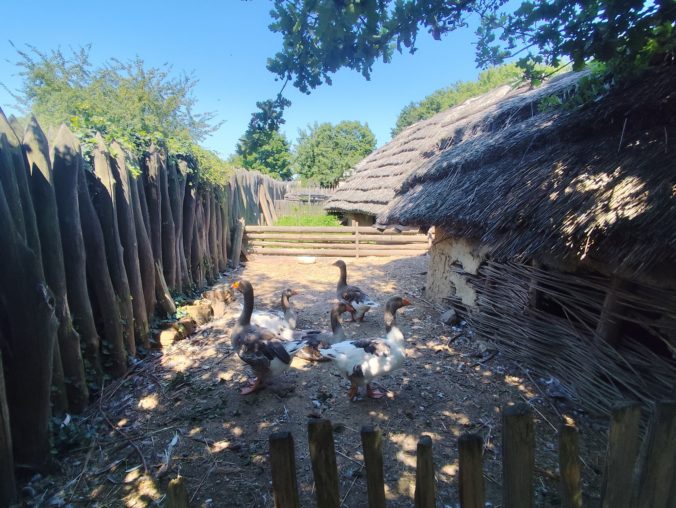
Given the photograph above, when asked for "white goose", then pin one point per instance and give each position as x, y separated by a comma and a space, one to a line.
317, 339
259, 347
361, 361
282, 323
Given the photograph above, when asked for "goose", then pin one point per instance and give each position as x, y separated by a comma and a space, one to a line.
282, 323
361, 361
317, 339
259, 347
352, 294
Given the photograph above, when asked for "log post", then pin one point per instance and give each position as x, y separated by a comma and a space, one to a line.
68, 352
323, 458
657, 482
237, 243
623, 446
425, 487
283, 465
197, 252
8, 493
29, 332
125, 217
165, 303
177, 495
471, 474
569, 466
153, 198
372, 444
213, 241
103, 295
518, 459
103, 188
145, 250
188, 219
168, 231
65, 169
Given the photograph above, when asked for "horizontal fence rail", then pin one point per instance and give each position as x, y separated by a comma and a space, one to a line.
348, 241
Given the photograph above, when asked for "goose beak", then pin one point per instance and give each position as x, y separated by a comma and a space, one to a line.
235, 285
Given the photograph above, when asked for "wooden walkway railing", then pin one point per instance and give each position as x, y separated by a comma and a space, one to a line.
651, 485
348, 241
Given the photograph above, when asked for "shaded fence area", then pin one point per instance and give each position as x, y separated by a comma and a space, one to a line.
92, 252
348, 241
639, 473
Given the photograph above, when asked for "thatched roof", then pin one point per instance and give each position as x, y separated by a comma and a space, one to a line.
596, 183
373, 181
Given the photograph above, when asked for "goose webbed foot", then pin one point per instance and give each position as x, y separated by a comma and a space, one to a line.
374, 393
352, 393
252, 386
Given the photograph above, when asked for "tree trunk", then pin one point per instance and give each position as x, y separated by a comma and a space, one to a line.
7, 481
125, 219
145, 251
103, 188
168, 231
31, 331
65, 168
98, 276
42, 187
153, 196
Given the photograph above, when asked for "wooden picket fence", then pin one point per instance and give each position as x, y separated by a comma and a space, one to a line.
344, 241
652, 485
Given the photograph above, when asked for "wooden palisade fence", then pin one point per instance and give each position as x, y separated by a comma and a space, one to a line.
650, 485
92, 251
348, 241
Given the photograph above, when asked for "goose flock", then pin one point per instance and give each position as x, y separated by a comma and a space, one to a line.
267, 341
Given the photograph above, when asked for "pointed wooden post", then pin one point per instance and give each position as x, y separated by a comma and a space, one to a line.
471, 471
425, 488
569, 466
323, 458
283, 465
518, 456
372, 443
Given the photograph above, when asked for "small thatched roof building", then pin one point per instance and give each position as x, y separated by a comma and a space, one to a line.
374, 180
556, 230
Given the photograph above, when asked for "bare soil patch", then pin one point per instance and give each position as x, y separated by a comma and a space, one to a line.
181, 410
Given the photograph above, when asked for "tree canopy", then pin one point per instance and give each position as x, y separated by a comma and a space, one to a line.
322, 36
455, 94
263, 147
324, 152
129, 102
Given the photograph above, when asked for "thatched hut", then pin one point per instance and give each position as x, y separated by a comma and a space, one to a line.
373, 181
556, 232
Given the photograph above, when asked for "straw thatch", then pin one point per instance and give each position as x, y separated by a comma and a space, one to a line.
373, 181
594, 184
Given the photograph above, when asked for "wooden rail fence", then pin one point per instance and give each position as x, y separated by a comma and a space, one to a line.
651, 485
347, 241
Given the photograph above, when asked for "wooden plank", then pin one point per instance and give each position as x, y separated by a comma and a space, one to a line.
303, 245
283, 465
339, 238
657, 484
425, 488
323, 458
623, 445
371, 440
322, 229
569, 466
471, 474
335, 252
518, 456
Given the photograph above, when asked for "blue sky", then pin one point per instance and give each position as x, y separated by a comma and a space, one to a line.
225, 44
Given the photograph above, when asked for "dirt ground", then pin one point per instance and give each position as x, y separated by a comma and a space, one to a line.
180, 411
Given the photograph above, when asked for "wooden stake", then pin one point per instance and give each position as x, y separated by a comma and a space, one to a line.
177, 495
569, 465
471, 471
425, 488
657, 485
518, 461
371, 441
324, 468
623, 445
283, 464
237, 244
